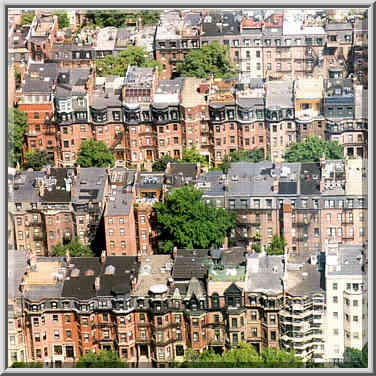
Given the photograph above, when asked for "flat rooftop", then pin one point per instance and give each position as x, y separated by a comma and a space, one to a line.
264, 274
190, 95
154, 270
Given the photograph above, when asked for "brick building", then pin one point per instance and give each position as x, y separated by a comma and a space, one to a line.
119, 215
52, 206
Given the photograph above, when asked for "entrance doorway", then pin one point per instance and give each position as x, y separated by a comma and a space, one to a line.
144, 350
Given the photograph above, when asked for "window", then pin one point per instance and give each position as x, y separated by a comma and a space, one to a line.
335, 299
335, 286
273, 335
355, 303
36, 115
195, 337
335, 315
56, 334
69, 334
67, 318
335, 332
55, 317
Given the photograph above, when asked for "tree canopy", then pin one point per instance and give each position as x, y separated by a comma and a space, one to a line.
62, 19
95, 154
276, 246
188, 222
161, 164
253, 155
76, 249
27, 365
37, 160
354, 358
117, 65
27, 18
244, 356
118, 18
212, 58
193, 156
103, 359
312, 149
17, 127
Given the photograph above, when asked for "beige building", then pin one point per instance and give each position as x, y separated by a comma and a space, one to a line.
347, 308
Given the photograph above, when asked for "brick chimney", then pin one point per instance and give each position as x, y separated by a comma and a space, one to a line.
171, 283
67, 257
225, 242
33, 261
275, 184
133, 284
322, 160
249, 248
287, 225
103, 257
97, 283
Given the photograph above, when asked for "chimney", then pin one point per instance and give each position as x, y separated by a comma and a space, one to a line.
133, 284
67, 257
139, 257
175, 252
249, 248
322, 160
97, 283
322, 185
171, 283
225, 242
103, 257
275, 184
33, 262
41, 189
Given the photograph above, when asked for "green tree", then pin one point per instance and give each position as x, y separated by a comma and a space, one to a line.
365, 356
243, 356
104, 18
133, 55
149, 17
27, 18
104, 359
95, 154
193, 156
17, 127
253, 155
62, 19
76, 249
27, 365
273, 358
354, 358
312, 149
37, 160
277, 246
161, 164
213, 58
188, 222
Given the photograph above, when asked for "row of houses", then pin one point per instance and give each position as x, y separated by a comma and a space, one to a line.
150, 309
141, 117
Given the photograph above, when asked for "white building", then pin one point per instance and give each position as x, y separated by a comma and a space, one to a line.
346, 294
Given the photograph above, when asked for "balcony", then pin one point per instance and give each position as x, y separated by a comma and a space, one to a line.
36, 222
